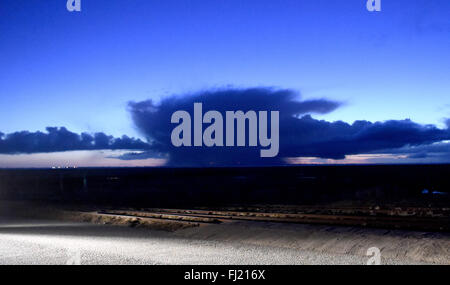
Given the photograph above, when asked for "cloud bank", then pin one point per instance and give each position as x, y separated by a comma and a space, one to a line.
60, 139
300, 134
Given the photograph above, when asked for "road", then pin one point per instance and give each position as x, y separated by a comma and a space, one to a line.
51, 242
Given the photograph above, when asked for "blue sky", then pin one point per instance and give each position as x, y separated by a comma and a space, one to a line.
80, 69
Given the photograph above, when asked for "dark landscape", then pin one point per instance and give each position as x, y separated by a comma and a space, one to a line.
390, 196
282, 215
378, 185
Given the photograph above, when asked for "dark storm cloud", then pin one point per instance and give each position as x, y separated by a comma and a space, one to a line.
153, 120
60, 139
310, 137
300, 134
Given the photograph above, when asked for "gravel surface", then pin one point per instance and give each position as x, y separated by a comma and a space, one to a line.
50, 242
